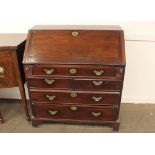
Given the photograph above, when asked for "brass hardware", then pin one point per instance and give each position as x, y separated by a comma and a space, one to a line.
121, 70
96, 99
74, 108
97, 83
26, 68
75, 33
73, 94
98, 72
32, 117
96, 114
50, 98
49, 81
73, 71
1, 72
48, 71
52, 112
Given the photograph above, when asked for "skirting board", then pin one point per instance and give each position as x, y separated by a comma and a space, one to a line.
138, 100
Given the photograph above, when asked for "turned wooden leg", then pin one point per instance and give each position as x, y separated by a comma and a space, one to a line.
116, 126
1, 118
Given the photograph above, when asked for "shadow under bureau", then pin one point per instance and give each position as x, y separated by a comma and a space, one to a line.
75, 74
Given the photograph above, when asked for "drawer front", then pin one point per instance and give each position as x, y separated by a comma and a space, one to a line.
74, 70
71, 97
87, 84
50, 83
7, 71
75, 112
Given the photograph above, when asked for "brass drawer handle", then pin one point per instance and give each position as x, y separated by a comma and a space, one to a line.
98, 72
74, 108
50, 98
73, 94
73, 71
96, 99
75, 33
97, 83
1, 72
96, 114
52, 112
49, 81
48, 71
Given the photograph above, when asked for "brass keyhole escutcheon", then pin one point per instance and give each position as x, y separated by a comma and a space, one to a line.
73, 71
74, 108
75, 33
73, 94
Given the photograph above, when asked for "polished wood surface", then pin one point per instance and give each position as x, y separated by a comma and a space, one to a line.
97, 84
75, 112
75, 74
69, 97
11, 53
53, 83
109, 72
88, 47
7, 62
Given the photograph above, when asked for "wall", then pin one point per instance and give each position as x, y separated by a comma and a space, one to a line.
139, 81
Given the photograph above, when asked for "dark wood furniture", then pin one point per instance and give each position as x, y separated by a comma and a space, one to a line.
75, 74
11, 67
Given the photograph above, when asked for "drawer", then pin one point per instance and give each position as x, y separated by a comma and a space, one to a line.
50, 83
98, 84
7, 71
70, 97
75, 70
73, 112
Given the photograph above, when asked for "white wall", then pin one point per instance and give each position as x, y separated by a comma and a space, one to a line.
139, 81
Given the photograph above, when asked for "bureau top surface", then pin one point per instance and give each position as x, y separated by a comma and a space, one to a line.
98, 45
77, 27
11, 41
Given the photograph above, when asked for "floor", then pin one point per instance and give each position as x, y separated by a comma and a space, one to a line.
134, 118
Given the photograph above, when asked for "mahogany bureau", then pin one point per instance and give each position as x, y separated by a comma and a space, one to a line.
75, 74
11, 67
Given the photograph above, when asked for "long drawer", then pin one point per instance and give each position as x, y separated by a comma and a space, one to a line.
78, 97
75, 70
73, 112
